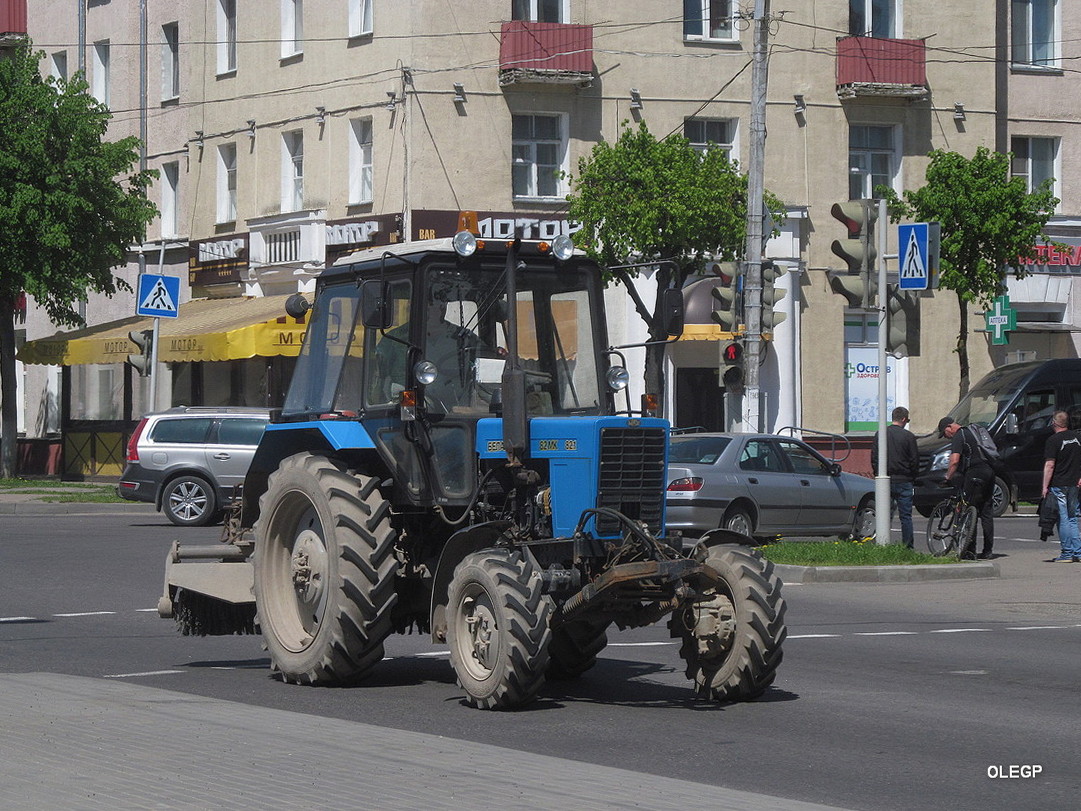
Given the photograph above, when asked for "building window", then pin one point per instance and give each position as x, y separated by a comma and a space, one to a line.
170, 199
292, 28
360, 161
99, 78
1035, 33
59, 69
170, 61
1034, 159
873, 18
705, 133
292, 171
539, 150
872, 160
709, 20
360, 17
543, 11
226, 36
226, 183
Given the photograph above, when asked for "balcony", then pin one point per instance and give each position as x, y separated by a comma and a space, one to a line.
546, 53
12, 23
868, 66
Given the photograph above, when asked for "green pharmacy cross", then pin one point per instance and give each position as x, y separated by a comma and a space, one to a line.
999, 320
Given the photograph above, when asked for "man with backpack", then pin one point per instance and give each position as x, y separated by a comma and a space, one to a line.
978, 484
1061, 476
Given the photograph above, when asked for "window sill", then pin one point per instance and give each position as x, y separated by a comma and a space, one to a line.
1036, 70
710, 41
291, 59
561, 199
172, 101
227, 74
363, 36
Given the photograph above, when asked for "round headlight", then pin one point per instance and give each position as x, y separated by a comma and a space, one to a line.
617, 378
425, 372
562, 247
465, 243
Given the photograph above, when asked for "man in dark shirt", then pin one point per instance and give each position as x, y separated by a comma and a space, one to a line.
902, 466
1061, 476
978, 484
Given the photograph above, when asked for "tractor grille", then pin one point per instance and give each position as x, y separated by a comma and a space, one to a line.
632, 476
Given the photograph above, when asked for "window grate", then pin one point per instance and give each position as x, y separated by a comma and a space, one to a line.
283, 246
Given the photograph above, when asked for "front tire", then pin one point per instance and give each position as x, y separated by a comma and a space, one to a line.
498, 628
732, 636
574, 648
863, 524
1000, 498
324, 571
940, 529
189, 501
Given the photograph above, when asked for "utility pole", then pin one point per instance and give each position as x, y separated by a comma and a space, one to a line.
755, 194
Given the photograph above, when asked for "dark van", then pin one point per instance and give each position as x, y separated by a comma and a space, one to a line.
1016, 403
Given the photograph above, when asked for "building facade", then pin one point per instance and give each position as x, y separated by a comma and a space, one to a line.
289, 132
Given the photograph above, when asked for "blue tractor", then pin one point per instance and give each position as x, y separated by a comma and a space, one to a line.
450, 457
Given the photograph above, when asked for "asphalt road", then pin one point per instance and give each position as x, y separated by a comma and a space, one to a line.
891, 696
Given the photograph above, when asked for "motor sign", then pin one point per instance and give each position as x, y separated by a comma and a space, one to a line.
158, 296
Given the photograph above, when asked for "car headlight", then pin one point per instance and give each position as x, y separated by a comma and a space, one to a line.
941, 460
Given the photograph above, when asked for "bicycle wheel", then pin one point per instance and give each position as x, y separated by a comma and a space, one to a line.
940, 528
966, 532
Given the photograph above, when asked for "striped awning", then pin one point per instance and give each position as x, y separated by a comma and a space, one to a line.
205, 330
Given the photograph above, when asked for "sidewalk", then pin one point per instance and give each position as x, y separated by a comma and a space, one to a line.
14, 502
74, 742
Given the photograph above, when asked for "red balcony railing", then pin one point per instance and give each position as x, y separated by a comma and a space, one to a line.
13, 17
881, 67
545, 52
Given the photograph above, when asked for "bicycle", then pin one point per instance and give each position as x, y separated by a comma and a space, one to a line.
952, 526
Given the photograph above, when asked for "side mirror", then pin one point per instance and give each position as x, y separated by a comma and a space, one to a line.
671, 312
375, 304
1010, 425
296, 305
835, 469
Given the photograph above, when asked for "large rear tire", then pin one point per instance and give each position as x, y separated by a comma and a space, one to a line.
574, 648
324, 571
498, 628
732, 637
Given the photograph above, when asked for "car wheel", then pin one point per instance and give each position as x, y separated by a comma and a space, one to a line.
864, 527
189, 501
924, 509
738, 520
1000, 498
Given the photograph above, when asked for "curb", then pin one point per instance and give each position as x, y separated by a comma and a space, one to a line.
887, 574
71, 508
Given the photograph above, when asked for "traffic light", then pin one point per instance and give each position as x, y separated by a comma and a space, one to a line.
144, 340
771, 272
902, 323
859, 291
728, 312
732, 365
858, 251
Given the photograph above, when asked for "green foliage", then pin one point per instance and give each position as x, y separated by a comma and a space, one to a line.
846, 553
70, 204
642, 199
988, 219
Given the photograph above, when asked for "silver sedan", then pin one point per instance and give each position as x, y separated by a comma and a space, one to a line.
763, 485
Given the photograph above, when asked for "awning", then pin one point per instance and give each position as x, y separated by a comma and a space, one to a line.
205, 330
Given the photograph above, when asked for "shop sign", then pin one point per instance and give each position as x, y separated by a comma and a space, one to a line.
217, 261
345, 236
493, 225
1062, 258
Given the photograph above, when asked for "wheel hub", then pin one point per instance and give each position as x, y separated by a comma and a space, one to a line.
481, 625
308, 565
714, 626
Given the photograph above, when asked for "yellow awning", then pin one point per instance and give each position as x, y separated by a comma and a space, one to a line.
704, 332
205, 330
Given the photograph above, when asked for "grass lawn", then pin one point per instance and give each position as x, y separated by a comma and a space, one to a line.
846, 553
54, 490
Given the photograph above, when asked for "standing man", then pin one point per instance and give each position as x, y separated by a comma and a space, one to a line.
902, 466
1061, 476
978, 484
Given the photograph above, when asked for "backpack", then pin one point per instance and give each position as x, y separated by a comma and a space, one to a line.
986, 445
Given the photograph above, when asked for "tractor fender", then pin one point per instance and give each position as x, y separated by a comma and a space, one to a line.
461, 543
717, 537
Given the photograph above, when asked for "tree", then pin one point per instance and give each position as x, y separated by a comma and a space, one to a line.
70, 206
989, 221
644, 200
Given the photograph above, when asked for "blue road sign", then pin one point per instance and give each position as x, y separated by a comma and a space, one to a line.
158, 296
914, 272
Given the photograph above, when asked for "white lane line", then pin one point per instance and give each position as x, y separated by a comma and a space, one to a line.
147, 610
958, 630
638, 644
85, 614
146, 673
1038, 627
17, 619
886, 633
813, 636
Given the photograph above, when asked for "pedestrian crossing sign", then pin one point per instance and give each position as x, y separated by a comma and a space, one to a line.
918, 247
158, 296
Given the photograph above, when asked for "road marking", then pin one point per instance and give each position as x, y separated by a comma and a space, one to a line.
17, 619
958, 630
147, 610
1039, 627
885, 633
638, 644
814, 636
968, 672
85, 614
146, 673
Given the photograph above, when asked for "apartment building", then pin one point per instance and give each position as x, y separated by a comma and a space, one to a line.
290, 132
